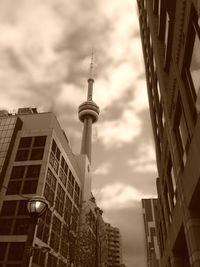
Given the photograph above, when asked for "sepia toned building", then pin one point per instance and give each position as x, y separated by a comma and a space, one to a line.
149, 208
36, 160
114, 246
170, 34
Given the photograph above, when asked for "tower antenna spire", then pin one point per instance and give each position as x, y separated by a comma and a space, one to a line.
91, 73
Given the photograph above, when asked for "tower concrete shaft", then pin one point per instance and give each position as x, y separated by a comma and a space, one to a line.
88, 114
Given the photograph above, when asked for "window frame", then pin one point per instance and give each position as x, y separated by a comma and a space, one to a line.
192, 32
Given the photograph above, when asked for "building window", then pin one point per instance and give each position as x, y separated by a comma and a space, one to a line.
39, 257
50, 186
22, 209
17, 172
22, 155
75, 218
25, 146
14, 187
55, 233
3, 247
195, 63
68, 210
5, 226
167, 28
77, 194
21, 226
16, 251
37, 154
60, 197
23, 179
44, 226
167, 203
64, 246
53, 162
63, 171
70, 185
39, 141
191, 68
30, 187
52, 260
33, 171
8, 208
55, 150
171, 183
181, 133
25, 142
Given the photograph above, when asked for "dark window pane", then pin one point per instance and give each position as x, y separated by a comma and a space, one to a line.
53, 148
5, 226
8, 208
39, 141
16, 251
33, 171
30, 187
21, 226
22, 210
40, 229
45, 234
25, 142
3, 246
66, 168
37, 154
13, 188
36, 256
48, 216
58, 154
22, 155
42, 259
52, 261
62, 162
17, 172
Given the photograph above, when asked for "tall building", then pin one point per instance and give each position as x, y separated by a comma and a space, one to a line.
170, 33
114, 246
149, 207
88, 114
36, 159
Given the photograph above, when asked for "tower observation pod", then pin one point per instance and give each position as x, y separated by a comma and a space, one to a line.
88, 113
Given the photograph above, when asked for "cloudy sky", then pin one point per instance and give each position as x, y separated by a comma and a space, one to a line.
45, 49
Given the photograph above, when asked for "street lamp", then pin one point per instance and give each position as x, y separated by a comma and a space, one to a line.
36, 206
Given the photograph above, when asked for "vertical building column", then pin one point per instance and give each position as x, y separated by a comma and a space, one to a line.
193, 234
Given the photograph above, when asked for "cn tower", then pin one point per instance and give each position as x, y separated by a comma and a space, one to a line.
88, 113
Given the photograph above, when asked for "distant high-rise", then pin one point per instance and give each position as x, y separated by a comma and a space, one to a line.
114, 246
170, 34
149, 215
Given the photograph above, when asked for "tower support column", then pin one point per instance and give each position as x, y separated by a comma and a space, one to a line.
86, 138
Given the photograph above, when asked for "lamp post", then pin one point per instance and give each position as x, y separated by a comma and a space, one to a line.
36, 206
